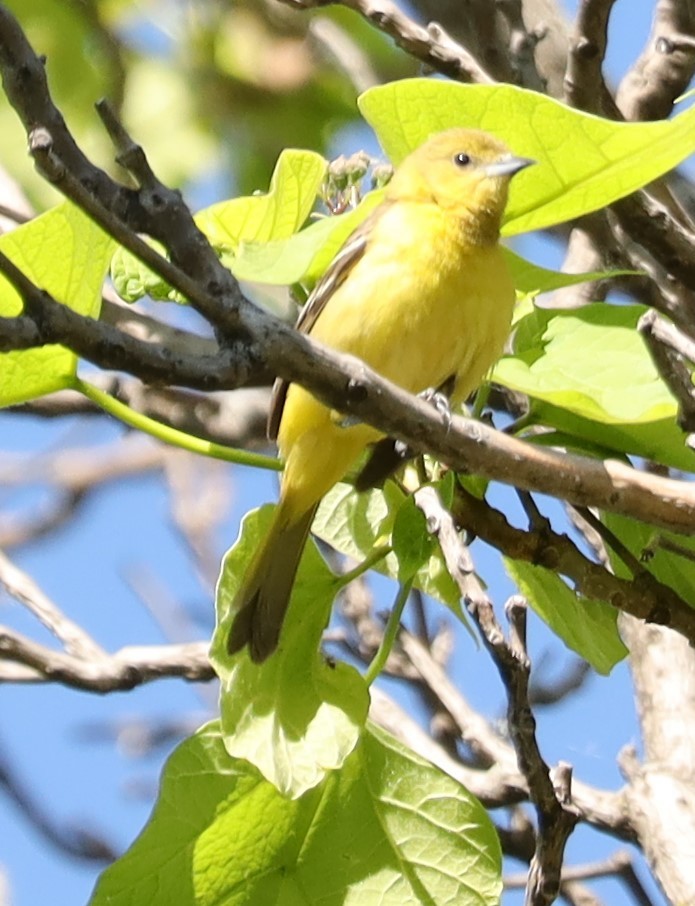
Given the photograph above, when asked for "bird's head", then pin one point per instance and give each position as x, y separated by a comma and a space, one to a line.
463, 171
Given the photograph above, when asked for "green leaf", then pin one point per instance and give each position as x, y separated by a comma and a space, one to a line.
306, 255
387, 830
278, 214
132, 279
584, 162
659, 441
251, 227
588, 372
295, 716
590, 360
412, 544
301, 257
281, 262
355, 524
530, 279
587, 626
671, 568
66, 254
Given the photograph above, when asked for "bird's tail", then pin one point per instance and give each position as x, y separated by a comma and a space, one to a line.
264, 596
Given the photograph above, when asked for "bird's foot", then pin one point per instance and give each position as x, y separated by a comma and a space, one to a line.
440, 402
340, 420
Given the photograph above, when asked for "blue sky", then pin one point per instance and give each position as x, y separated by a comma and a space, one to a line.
125, 526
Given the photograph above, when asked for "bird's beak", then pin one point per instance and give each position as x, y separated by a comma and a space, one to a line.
508, 166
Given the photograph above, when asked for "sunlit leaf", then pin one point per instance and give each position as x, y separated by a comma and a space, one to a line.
588, 372
295, 716
250, 227
530, 279
389, 829
303, 256
66, 254
412, 544
584, 162
275, 215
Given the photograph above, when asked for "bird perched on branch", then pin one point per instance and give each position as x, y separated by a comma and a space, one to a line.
422, 294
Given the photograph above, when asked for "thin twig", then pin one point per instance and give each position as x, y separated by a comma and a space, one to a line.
16, 216
660, 337
78, 643
620, 865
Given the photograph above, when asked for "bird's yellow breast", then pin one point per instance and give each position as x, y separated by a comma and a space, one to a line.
417, 314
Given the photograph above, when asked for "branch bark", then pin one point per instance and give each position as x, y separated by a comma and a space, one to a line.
660, 795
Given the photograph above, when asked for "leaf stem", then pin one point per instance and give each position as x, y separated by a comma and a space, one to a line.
172, 436
379, 552
481, 398
379, 660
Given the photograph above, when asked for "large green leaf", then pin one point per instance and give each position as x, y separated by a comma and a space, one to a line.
295, 717
584, 162
306, 255
66, 254
412, 544
589, 372
590, 360
387, 830
586, 626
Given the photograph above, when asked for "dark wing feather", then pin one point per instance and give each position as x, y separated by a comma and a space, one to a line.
336, 274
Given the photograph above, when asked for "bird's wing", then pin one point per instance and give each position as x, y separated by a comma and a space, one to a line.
336, 274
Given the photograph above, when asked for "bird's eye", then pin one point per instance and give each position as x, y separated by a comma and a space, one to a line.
462, 159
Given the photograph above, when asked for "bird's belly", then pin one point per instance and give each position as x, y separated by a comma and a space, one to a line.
446, 324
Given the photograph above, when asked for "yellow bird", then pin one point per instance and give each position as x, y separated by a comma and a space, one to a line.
422, 294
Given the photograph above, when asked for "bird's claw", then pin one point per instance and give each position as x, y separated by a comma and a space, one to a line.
440, 402
345, 421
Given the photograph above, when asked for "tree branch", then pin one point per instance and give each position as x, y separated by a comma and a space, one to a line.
125, 669
522, 46
431, 45
666, 66
644, 596
619, 865
23, 588
585, 87
551, 797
